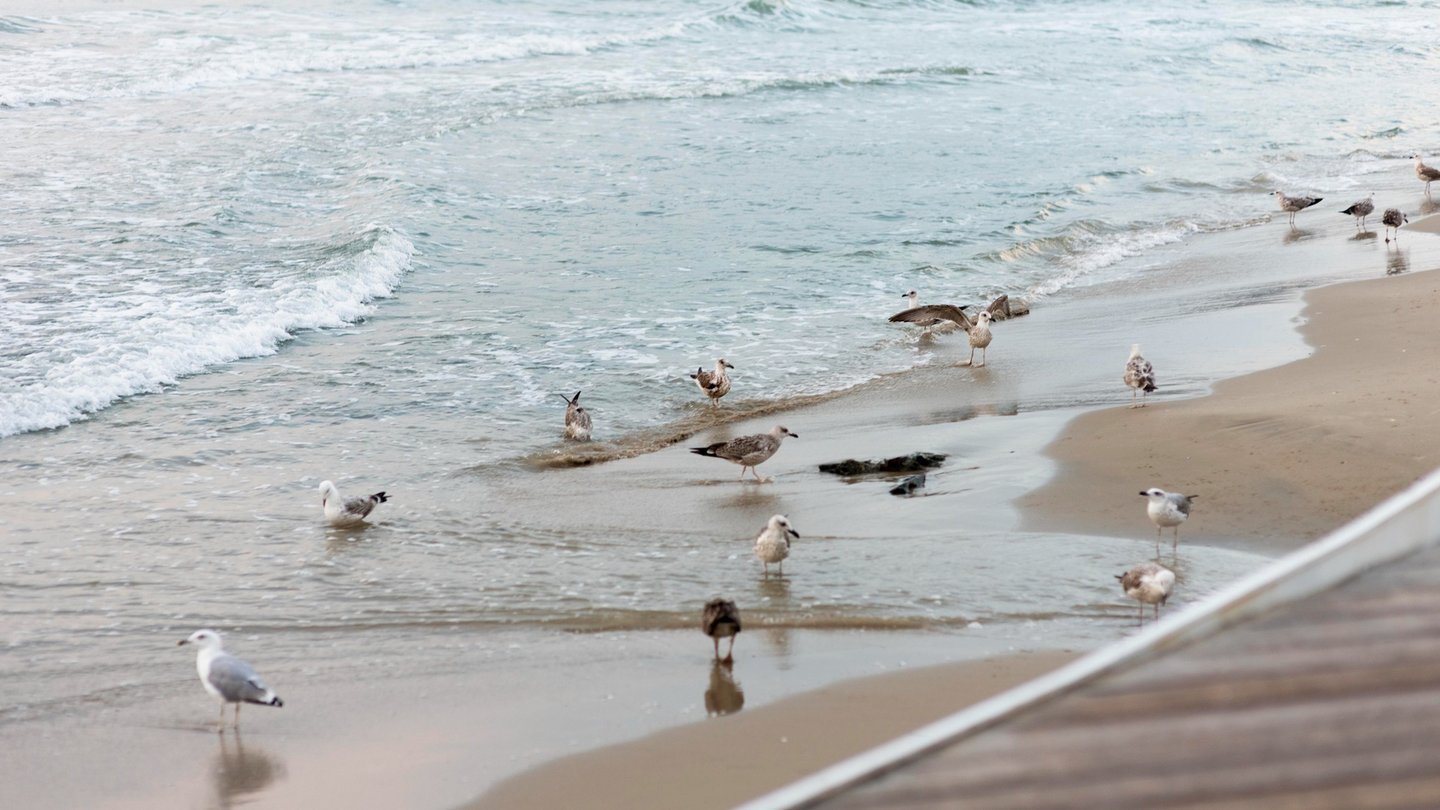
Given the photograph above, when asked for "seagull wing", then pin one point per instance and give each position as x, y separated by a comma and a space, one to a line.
933, 312
237, 681
1000, 308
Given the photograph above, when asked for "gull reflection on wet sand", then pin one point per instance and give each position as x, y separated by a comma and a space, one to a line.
239, 773
724, 695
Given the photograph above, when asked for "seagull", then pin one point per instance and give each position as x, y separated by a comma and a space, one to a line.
1425, 173
1292, 205
748, 451
715, 384
1393, 219
1148, 584
1361, 209
1167, 510
1139, 375
980, 337
227, 677
929, 314
577, 419
773, 544
934, 326
721, 619
351, 512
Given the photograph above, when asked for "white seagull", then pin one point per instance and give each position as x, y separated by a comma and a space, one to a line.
1425, 173
1361, 209
343, 512
1167, 510
227, 677
577, 420
715, 384
1148, 584
748, 451
773, 543
1293, 205
1139, 375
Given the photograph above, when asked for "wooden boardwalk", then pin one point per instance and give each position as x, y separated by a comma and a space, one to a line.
1332, 701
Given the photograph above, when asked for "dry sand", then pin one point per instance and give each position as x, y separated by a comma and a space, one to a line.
728, 760
1281, 456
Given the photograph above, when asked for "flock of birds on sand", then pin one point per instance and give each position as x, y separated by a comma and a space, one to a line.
1361, 210
233, 681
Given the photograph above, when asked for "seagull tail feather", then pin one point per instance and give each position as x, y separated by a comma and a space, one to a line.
379, 497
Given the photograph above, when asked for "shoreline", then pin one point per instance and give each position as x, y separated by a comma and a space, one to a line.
1281, 456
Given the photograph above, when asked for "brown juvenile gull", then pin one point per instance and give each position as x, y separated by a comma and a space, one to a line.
1292, 205
715, 384
773, 543
930, 313
1425, 173
1361, 209
227, 677
747, 451
721, 619
1167, 510
577, 419
1139, 375
1148, 584
347, 511
1393, 219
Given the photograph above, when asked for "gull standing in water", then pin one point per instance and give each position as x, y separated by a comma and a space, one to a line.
1139, 375
1361, 209
1393, 219
748, 451
1293, 205
715, 384
1167, 510
1425, 173
773, 544
227, 677
721, 619
980, 337
577, 419
1149, 584
347, 512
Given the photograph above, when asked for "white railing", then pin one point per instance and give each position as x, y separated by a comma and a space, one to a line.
1402, 524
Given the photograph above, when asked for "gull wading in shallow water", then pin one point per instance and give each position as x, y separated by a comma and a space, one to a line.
748, 451
715, 384
1293, 205
721, 619
935, 325
1427, 174
347, 512
1361, 209
1393, 219
1167, 510
577, 419
227, 677
1139, 375
980, 337
1149, 584
773, 543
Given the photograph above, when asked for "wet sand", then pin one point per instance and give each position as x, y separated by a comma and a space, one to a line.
728, 760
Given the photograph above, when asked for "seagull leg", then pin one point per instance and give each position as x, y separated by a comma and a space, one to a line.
221, 729
730, 651
742, 472
716, 639
1175, 543
237, 717
982, 354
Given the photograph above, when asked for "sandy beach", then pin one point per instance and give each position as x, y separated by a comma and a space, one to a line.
1281, 456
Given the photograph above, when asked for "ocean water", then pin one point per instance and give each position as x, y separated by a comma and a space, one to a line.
249, 247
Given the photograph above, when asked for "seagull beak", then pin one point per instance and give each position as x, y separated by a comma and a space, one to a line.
729, 365
793, 435
1144, 494
183, 642
793, 533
